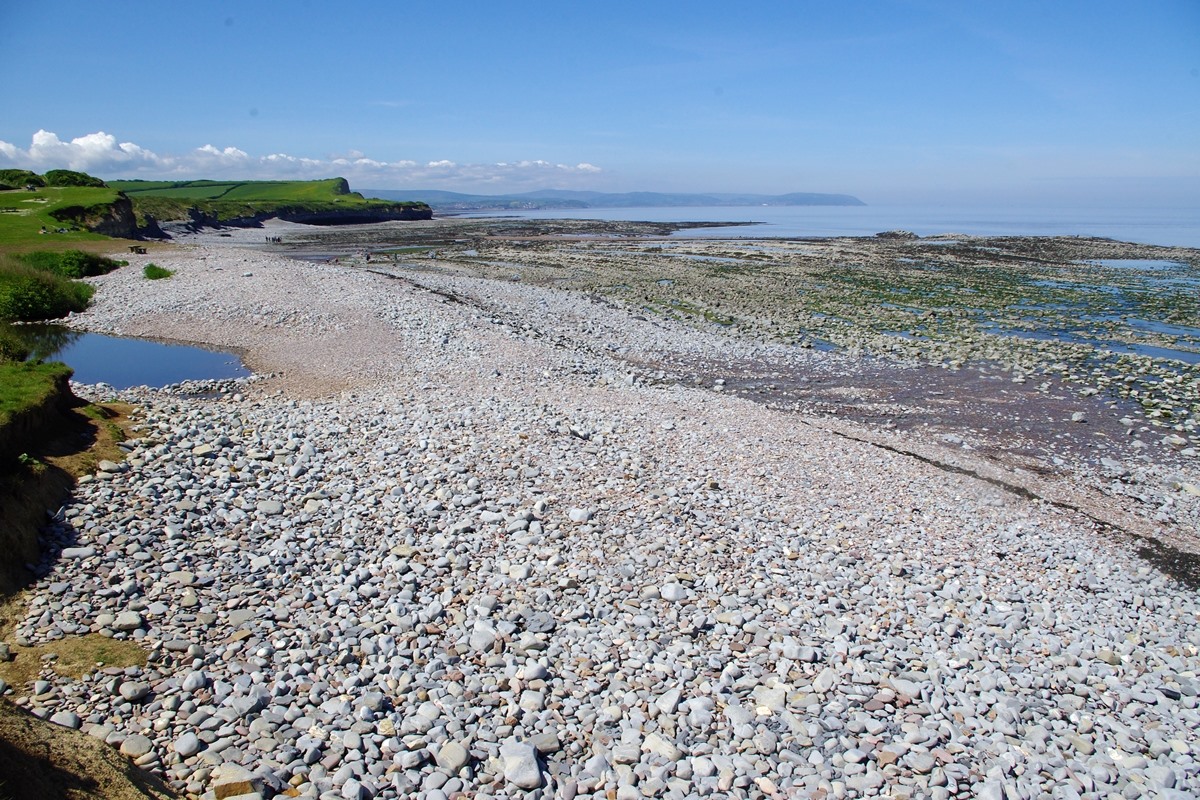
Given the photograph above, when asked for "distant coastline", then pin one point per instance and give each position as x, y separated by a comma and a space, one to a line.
563, 199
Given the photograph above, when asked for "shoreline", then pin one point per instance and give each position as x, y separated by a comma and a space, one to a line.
461, 542
1144, 225
1055, 421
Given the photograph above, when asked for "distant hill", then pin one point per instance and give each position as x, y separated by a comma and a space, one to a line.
562, 198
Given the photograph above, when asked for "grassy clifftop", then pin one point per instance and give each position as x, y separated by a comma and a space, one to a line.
68, 208
51, 216
238, 190
241, 202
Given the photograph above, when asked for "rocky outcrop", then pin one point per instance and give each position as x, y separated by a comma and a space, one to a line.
149, 229
198, 219
356, 216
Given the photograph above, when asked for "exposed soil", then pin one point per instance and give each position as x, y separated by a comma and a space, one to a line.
38, 759
43, 761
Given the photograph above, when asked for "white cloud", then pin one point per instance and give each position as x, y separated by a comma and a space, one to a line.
93, 152
228, 154
101, 154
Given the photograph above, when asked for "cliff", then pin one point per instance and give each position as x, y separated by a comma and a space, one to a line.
25, 429
207, 203
316, 214
71, 202
114, 219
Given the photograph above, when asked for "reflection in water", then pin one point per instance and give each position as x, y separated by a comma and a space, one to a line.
42, 342
122, 362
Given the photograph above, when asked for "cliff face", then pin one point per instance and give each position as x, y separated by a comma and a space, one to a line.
334, 216
355, 217
23, 505
113, 219
149, 229
119, 222
118, 219
26, 428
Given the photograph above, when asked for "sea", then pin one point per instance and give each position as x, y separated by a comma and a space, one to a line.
1172, 227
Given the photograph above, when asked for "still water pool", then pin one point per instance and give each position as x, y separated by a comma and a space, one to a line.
125, 362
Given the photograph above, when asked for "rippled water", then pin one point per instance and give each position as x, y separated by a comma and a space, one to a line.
1175, 227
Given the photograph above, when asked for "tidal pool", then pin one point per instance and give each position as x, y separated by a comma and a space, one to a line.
124, 362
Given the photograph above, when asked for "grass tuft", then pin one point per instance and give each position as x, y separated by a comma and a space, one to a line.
25, 385
72, 657
156, 273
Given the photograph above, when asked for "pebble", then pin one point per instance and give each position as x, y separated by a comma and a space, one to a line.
825, 681
232, 780
452, 757
673, 592
187, 745
921, 763
136, 746
618, 588
128, 621
134, 691
271, 508
68, 719
194, 681
654, 743
521, 764
78, 552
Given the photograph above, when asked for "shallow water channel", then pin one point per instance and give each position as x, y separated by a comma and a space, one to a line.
124, 362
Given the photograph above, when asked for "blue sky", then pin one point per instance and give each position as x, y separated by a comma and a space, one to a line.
895, 101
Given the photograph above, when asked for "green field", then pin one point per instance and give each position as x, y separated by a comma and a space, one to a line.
330, 189
23, 215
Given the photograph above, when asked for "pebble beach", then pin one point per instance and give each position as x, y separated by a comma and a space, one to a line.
448, 544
